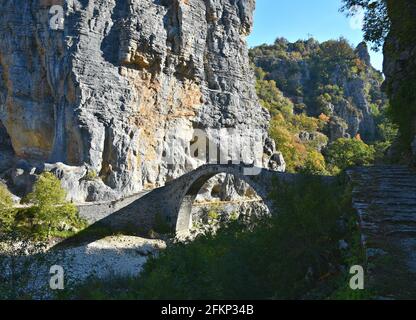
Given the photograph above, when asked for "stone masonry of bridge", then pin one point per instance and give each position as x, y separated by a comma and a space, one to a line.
172, 203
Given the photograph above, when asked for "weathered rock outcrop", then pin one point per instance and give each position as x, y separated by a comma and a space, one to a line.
120, 85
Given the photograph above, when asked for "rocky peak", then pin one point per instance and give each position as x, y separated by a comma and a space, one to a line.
363, 54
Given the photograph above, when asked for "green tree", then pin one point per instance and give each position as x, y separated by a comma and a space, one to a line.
376, 20
47, 192
50, 213
315, 163
344, 153
293, 151
270, 96
6, 209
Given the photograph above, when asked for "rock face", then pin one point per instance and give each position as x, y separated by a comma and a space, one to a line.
6, 154
400, 69
121, 84
363, 54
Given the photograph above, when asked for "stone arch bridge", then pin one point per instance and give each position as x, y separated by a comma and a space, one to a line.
172, 203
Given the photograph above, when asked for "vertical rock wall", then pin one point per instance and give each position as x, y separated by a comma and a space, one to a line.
123, 82
400, 70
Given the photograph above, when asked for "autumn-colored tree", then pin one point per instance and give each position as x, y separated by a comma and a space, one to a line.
315, 164
324, 118
358, 137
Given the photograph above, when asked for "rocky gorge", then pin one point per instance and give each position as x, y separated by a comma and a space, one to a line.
109, 111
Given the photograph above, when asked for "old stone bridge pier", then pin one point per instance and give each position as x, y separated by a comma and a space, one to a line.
172, 204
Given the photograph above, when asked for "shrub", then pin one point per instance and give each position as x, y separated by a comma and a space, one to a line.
344, 153
49, 213
315, 164
47, 192
303, 122
293, 151
6, 209
271, 97
91, 175
213, 216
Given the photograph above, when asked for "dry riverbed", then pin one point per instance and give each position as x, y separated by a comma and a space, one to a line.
111, 256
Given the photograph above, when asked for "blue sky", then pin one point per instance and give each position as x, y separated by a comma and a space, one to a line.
300, 19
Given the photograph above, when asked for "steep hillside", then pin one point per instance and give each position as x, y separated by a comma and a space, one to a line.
318, 93
328, 78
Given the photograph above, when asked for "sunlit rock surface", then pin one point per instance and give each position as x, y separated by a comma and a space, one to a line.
123, 83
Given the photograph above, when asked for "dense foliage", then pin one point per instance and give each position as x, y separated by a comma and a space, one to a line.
311, 74
400, 84
285, 127
345, 153
293, 255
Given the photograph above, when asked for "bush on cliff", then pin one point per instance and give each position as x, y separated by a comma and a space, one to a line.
285, 127
306, 86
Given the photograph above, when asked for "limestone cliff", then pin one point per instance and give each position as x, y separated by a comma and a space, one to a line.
108, 93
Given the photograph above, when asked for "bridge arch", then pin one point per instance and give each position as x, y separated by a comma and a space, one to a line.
193, 182
173, 202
